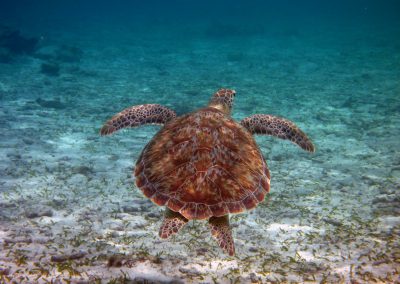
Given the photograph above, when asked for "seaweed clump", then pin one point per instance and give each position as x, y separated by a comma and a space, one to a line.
60, 57
50, 69
56, 104
69, 54
12, 44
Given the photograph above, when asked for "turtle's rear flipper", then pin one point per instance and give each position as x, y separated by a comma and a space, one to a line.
172, 223
279, 127
138, 115
222, 233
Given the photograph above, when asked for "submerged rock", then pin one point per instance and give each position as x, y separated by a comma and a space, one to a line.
142, 280
332, 221
189, 271
57, 104
115, 261
38, 212
69, 54
83, 170
154, 215
14, 43
4, 271
64, 257
254, 278
50, 69
253, 249
16, 240
131, 209
202, 251
5, 55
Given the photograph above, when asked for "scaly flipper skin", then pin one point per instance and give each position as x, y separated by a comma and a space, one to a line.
222, 232
279, 127
138, 115
172, 223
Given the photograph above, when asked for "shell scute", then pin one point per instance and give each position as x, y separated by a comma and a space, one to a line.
175, 204
189, 211
176, 177
203, 211
141, 180
236, 207
202, 159
148, 190
259, 194
250, 201
219, 209
160, 198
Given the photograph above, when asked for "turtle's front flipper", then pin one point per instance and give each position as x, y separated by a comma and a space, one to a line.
138, 115
222, 232
279, 127
172, 223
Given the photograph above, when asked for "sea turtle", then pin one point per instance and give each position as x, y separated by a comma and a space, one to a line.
204, 165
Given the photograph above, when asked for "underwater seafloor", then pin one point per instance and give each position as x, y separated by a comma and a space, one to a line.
69, 209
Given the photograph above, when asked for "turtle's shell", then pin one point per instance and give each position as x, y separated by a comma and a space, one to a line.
203, 164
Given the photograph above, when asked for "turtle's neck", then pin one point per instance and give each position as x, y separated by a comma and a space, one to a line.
221, 107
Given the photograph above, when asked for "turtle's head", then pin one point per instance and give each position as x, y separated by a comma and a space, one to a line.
223, 100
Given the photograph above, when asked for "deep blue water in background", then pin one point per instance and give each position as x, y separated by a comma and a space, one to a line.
247, 33
272, 16
191, 11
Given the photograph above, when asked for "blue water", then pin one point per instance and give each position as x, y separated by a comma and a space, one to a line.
69, 208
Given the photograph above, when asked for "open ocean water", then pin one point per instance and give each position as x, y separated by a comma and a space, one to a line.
70, 211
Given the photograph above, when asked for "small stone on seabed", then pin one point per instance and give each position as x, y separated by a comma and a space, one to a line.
115, 261
254, 278
332, 222
153, 215
202, 251
4, 271
58, 201
142, 280
83, 170
253, 249
113, 234
28, 141
38, 212
189, 271
130, 208
18, 240
62, 258
379, 262
116, 227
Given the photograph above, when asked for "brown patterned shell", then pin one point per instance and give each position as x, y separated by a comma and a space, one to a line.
203, 164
